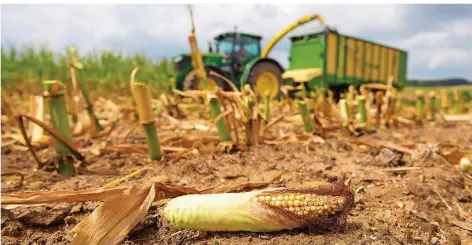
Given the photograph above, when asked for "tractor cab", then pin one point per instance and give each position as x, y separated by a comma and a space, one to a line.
238, 49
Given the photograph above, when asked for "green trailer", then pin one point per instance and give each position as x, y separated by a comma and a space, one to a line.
323, 59
332, 60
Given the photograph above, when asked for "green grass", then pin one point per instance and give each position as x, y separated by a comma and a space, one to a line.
102, 70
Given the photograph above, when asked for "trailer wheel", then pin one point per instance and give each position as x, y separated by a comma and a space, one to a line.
265, 79
213, 82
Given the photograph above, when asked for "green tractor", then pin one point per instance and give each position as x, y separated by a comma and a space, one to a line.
236, 56
324, 59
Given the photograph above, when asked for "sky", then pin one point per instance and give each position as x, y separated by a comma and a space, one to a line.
438, 38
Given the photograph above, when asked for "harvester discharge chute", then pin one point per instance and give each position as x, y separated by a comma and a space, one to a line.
323, 60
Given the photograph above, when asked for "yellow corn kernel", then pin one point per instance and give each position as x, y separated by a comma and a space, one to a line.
291, 209
278, 203
290, 203
291, 198
296, 203
280, 198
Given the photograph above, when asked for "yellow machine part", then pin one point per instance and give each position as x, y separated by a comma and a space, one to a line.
359, 65
303, 75
376, 62
267, 84
355, 59
197, 59
286, 30
332, 53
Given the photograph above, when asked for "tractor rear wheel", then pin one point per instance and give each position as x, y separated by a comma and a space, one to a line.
213, 82
265, 79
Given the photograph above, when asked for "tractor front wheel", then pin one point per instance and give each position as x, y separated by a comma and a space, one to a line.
213, 82
265, 79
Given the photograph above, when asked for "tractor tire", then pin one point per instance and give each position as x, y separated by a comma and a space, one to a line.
266, 76
191, 83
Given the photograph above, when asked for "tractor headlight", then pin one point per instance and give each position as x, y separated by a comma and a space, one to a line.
226, 68
178, 58
181, 63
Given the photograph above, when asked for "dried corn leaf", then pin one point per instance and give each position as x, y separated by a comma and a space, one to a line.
454, 155
463, 225
382, 144
124, 148
281, 140
113, 220
41, 197
6, 110
15, 136
236, 187
136, 148
97, 194
36, 111
187, 125
405, 121
107, 108
458, 118
116, 217
83, 123
116, 182
297, 138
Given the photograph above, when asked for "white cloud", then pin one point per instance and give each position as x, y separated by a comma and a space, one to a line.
163, 29
443, 56
425, 40
56, 24
462, 27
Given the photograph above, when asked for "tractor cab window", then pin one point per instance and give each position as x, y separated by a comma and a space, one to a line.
243, 46
225, 46
247, 47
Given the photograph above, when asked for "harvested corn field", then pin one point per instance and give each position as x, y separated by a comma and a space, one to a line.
405, 180
229, 146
